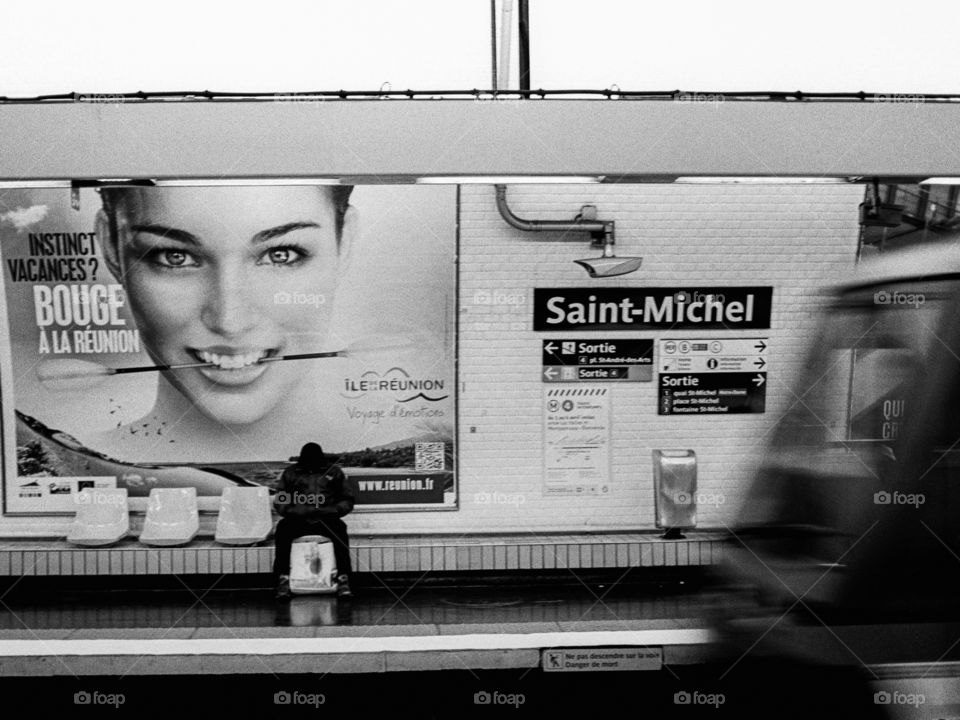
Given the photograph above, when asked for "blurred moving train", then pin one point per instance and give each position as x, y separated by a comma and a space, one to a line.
846, 551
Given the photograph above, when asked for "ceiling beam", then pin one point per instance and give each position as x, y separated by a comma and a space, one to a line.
396, 140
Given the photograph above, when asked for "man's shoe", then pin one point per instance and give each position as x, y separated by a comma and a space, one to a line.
283, 588
343, 587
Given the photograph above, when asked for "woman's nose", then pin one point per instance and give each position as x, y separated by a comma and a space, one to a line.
228, 310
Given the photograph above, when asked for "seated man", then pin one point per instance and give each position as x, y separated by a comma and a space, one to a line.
313, 495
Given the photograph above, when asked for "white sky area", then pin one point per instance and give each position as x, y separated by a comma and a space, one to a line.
108, 46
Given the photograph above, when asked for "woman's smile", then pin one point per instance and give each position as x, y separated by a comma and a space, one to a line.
232, 359
233, 367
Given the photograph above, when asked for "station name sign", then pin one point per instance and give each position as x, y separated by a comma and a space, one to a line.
728, 308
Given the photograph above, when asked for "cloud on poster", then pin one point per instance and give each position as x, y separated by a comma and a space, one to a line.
23, 218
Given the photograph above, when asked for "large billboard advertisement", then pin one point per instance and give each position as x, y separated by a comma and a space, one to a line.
198, 336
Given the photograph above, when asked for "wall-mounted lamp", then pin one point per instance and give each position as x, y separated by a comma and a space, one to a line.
608, 264
601, 232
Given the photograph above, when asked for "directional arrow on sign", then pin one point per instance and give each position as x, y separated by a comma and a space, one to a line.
758, 380
761, 346
550, 373
760, 362
550, 347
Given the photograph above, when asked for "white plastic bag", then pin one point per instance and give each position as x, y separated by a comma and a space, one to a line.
313, 566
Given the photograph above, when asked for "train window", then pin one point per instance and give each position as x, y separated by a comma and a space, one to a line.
856, 388
879, 389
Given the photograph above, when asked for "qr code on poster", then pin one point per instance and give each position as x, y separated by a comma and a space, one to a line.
428, 456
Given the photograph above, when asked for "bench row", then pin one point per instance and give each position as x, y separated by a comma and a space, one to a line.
103, 517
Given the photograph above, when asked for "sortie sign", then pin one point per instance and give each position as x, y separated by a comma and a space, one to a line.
597, 360
712, 375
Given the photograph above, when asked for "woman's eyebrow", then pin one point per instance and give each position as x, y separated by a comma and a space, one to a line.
167, 232
279, 230
191, 239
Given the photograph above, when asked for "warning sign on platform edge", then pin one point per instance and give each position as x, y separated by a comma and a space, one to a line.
600, 659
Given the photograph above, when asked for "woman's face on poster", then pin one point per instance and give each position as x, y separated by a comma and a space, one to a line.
231, 276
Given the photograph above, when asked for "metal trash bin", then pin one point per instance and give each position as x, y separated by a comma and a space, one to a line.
313, 566
675, 491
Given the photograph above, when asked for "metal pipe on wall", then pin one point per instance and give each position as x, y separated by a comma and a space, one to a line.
600, 227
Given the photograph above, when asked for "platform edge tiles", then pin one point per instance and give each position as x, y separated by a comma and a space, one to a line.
327, 655
485, 553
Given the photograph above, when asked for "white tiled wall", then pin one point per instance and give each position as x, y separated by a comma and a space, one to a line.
795, 238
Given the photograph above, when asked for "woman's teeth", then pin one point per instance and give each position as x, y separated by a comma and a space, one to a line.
232, 362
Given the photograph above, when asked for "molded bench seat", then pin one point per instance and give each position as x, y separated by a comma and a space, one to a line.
102, 517
172, 517
245, 516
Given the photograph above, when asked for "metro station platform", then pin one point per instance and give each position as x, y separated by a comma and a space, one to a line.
418, 646
425, 603
247, 631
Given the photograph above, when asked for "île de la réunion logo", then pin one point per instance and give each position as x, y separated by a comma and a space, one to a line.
397, 383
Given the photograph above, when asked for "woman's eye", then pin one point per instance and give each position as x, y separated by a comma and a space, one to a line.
281, 256
174, 258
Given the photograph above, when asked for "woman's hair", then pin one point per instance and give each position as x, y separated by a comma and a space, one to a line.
114, 197
312, 458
